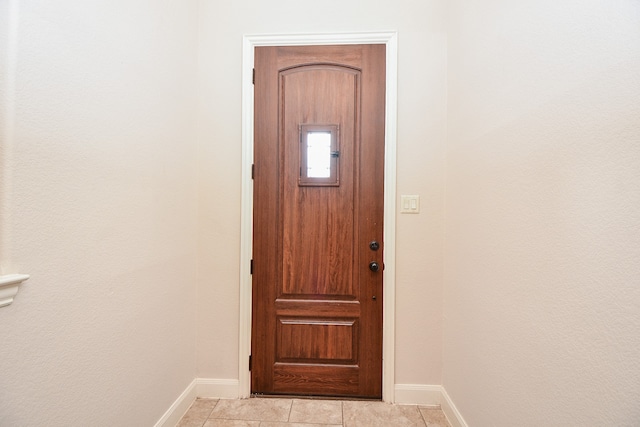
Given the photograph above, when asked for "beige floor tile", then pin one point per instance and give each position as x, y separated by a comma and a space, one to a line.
190, 423
211, 422
373, 414
316, 411
254, 409
269, 424
198, 413
308, 413
434, 417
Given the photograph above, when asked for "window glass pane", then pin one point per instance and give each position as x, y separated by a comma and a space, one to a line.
318, 154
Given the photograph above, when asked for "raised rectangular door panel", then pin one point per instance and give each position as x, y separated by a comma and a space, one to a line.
316, 340
318, 192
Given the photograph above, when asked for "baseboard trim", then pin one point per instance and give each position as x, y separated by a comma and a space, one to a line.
418, 394
179, 407
199, 387
451, 412
215, 388
429, 395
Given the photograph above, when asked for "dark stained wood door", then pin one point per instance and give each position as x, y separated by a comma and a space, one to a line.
318, 206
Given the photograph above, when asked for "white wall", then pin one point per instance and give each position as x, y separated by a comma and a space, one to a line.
542, 295
421, 123
99, 206
100, 202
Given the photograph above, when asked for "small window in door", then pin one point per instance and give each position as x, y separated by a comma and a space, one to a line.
319, 155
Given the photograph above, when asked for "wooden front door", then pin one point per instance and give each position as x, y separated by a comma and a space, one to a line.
318, 220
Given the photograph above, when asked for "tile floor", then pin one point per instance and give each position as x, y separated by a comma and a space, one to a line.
272, 412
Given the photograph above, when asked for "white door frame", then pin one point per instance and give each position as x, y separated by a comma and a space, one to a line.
390, 39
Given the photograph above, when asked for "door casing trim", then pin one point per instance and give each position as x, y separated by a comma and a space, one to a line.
250, 42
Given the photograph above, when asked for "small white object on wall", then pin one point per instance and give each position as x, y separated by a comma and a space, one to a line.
9, 284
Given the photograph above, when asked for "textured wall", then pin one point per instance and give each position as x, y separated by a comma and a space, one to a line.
99, 203
99, 206
421, 123
542, 318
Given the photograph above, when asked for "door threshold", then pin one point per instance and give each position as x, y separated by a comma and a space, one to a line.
312, 397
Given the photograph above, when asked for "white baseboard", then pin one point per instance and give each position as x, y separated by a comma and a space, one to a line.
199, 387
450, 410
179, 407
215, 388
418, 394
429, 395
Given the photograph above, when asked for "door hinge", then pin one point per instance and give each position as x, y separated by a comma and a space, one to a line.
251, 267
250, 362
253, 77
253, 171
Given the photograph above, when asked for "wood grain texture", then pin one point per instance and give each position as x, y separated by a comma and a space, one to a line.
316, 379
318, 222
316, 340
316, 326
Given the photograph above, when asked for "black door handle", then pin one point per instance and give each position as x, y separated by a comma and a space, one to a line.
374, 266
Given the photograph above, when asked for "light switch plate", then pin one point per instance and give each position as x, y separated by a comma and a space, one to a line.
410, 204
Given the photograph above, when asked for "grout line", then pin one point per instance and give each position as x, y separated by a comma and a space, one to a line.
290, 410
422, 416
212, 408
